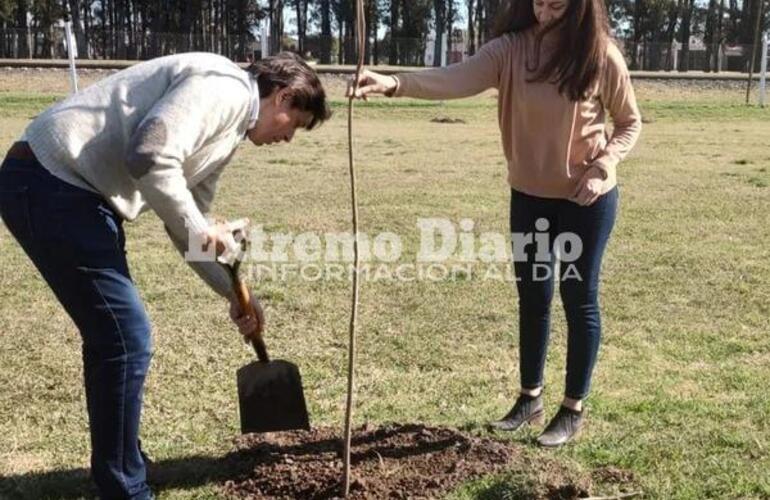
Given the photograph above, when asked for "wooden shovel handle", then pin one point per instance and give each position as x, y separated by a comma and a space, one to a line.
244, 300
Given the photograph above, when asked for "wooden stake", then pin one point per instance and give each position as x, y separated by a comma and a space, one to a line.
361, 41
754, 47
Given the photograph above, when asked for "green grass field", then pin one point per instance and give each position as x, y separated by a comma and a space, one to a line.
681, 390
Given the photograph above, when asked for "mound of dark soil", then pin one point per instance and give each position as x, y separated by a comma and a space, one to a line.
446, 119
395, 461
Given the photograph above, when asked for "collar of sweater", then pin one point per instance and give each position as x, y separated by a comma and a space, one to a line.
254, 112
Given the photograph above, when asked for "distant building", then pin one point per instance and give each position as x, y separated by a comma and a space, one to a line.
661, 56
456, 51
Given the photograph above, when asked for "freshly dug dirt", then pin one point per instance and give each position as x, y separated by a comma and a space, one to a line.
614, 475
395, 461
446, 119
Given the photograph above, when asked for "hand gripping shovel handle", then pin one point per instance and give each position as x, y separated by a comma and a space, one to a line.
244, 300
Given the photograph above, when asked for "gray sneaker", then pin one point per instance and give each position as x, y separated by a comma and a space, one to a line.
565, 425
527, 410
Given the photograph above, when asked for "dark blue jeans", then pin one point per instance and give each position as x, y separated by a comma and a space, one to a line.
76, 241
545, 219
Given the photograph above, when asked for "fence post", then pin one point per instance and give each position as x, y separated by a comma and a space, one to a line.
763, 73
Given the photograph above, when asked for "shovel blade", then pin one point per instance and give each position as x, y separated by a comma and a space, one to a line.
271, 398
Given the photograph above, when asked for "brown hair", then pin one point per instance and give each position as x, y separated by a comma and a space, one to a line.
582, 47
288, 70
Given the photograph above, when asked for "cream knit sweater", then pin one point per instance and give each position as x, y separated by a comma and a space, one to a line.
154, 136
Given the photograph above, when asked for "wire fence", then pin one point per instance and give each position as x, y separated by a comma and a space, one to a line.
119, 45
104, 44
698, 57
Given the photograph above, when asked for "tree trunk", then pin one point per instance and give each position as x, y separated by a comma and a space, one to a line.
241, 28
373, 22
471, 29
48, 42
670, 32
735, 16
450, 19
131, 20
86, 30
709, 36
368, 32
720, 34
480, 21
406, 54
350, 38
393, 55
103, 21
155, 30
3, 38
109, 27
489, 20
80, 39
684, 61
225, 28
326, 32
746, 26
140, 24
300, 7
35, 39
22, 7
305, 8
756, 39
186, 24
217, 27
203, 22
276, 25
440, 22
637, 21
755, 46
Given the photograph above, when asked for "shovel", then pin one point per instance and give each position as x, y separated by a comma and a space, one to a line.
270, 394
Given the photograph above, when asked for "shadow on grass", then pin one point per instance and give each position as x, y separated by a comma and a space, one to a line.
199, 471
182, 473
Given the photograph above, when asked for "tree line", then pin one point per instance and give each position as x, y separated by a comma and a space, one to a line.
398, 31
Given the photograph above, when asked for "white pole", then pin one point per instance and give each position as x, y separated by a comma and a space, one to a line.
676, 57
265, 38
72, 52
429, 57
763, 73
445, 48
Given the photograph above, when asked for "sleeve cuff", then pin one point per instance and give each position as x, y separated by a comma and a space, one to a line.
605, 166
396, 92
213, 274
196, 222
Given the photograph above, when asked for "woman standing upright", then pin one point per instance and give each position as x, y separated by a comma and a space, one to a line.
556, 70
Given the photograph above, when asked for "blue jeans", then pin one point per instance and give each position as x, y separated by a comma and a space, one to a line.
578, 283
77, 243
